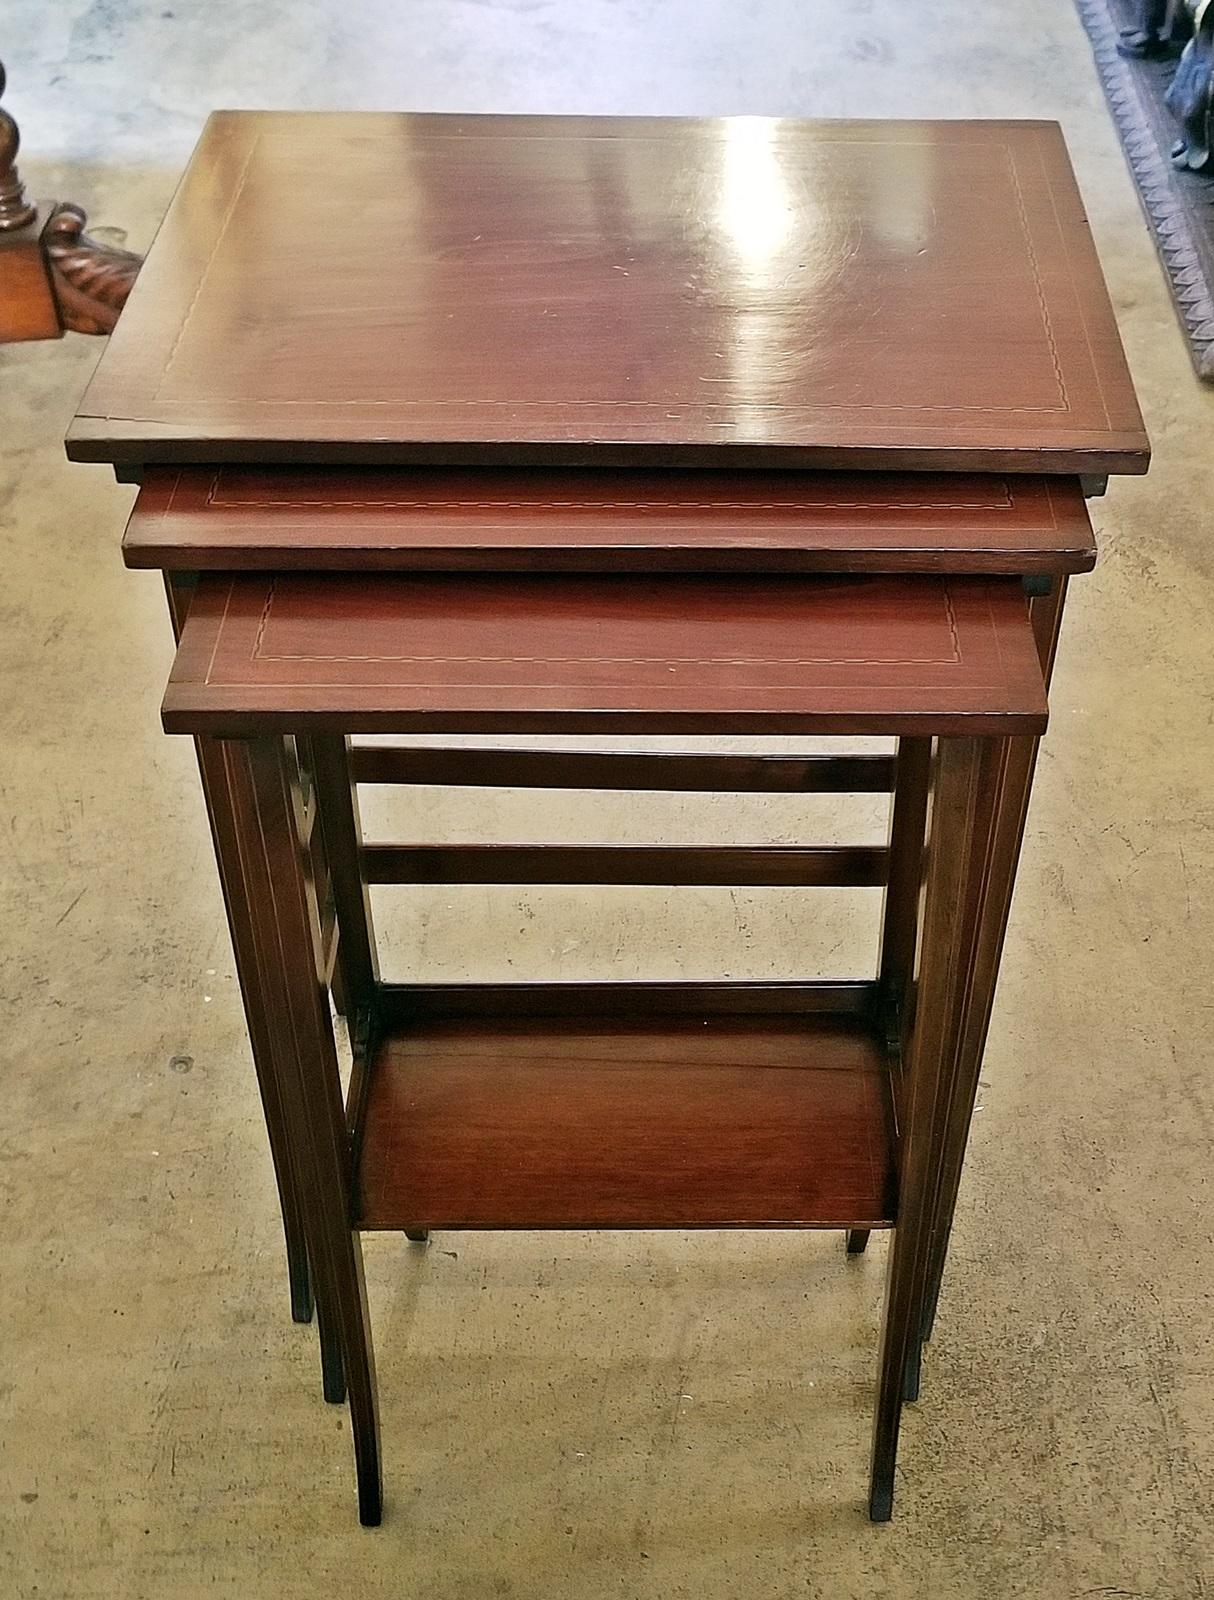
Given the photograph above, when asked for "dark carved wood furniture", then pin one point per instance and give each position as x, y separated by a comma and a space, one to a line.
52, 275
624, 442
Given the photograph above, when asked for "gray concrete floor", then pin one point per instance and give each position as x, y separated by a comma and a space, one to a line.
568, 1415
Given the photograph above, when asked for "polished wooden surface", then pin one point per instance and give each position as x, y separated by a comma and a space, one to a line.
402, 1004
506, 768
216, 771
27, 300
516, 654
286, 932
768, 865
28, 309
370, 519
1014, 780
953, 865
630, 291
52, 275
583, 1122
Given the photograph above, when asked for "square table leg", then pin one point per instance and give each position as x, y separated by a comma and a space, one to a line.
1015, 781
215, 770
286, 927
213, 766
963, 803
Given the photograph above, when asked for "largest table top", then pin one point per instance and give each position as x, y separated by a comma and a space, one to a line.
396, 289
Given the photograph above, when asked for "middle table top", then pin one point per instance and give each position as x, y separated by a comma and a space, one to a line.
192, 519
401, 289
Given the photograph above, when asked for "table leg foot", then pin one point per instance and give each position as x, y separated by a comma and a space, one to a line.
287, 930
370, 1502
301, 1287
881, 1500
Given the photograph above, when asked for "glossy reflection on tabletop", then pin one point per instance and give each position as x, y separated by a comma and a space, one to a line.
742, 290
606, 1417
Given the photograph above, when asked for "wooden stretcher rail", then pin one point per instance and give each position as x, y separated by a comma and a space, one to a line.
624, 769
400, 1003
772, 866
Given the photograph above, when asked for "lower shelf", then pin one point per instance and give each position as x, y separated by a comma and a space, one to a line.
576, 1122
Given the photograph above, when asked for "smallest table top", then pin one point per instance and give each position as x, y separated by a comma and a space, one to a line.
497, 520
561, 654
744, 292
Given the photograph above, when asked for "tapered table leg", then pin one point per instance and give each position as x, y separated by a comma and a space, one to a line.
287, 930
216, 785
1015, 781
964, 794
214, 773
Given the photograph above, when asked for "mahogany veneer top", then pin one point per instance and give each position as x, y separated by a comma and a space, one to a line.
232, 518
568, 654
418, 288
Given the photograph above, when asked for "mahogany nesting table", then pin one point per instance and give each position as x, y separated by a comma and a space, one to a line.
617, 425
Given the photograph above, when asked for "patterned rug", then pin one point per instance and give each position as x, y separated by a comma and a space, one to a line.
1179, 204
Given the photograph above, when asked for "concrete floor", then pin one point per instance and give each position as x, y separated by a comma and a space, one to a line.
568, 1415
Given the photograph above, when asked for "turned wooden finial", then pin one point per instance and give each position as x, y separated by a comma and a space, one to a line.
15, 209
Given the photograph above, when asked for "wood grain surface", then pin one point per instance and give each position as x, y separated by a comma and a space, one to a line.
579, 1122
769, 865
517, 654
591, 290
375, 519
511, 768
